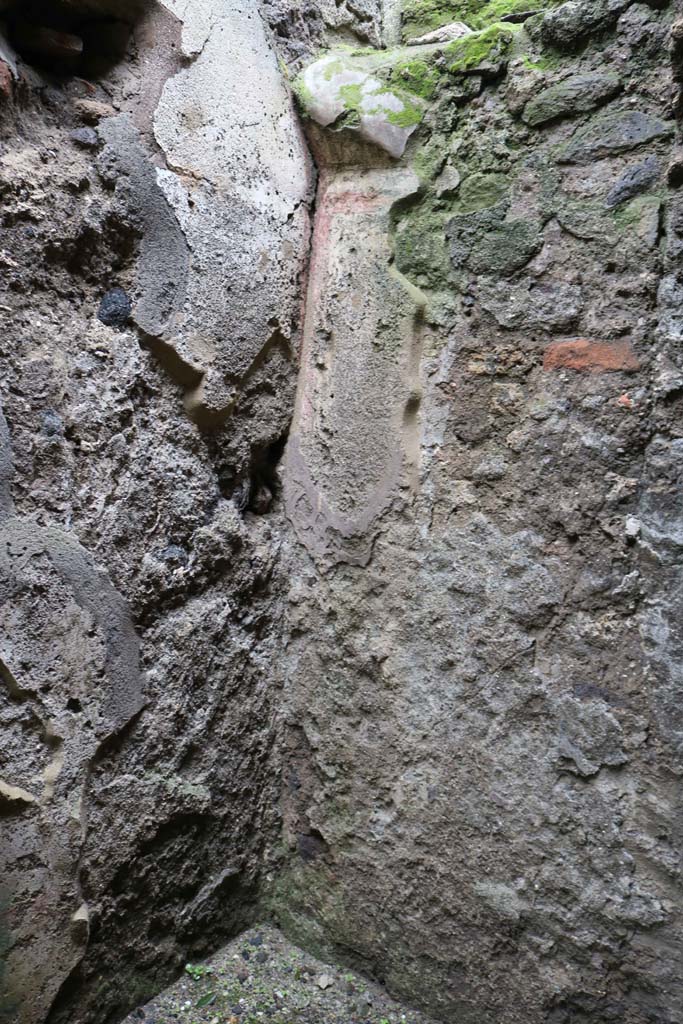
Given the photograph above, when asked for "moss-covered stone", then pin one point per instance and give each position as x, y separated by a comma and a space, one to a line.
397, 84
506, 248
480, 238
586, 220
639, 220
629, 216
420, 247
430, 158
417, 76
481, 191
422, 16
493, 11
574, 95
342, 91
486, 48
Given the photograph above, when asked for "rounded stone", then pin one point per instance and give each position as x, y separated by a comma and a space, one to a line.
85, 138
115, 308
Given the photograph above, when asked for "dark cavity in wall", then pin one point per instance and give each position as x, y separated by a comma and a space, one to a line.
72, 37
255, 487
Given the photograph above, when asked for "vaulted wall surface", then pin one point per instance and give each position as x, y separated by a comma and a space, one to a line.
340, 499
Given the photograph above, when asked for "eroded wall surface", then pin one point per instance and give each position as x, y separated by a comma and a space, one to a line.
155, 189
482, 798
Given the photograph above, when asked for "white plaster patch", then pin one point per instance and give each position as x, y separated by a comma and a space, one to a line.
198, 18
211, 117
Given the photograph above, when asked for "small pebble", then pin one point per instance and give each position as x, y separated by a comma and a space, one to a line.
93, 111
86, 138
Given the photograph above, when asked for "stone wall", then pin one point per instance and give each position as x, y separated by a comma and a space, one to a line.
155, 189
415, 690
482, 799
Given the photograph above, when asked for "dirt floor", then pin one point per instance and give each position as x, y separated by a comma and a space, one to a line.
261, 977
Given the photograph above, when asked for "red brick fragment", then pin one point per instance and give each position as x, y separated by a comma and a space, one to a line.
591, 356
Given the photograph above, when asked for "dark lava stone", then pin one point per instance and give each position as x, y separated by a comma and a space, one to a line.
633, 181
115, 308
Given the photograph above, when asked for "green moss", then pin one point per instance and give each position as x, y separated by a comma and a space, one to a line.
420, 248
355, 101
631, 215
541, 63
481, 191
490, 45
422, 16
417, 76
493, 11
406, 118
302, 93
335, 67
351, 95
430, 158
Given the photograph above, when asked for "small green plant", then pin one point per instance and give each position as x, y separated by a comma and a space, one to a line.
197, 971
206, 1000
